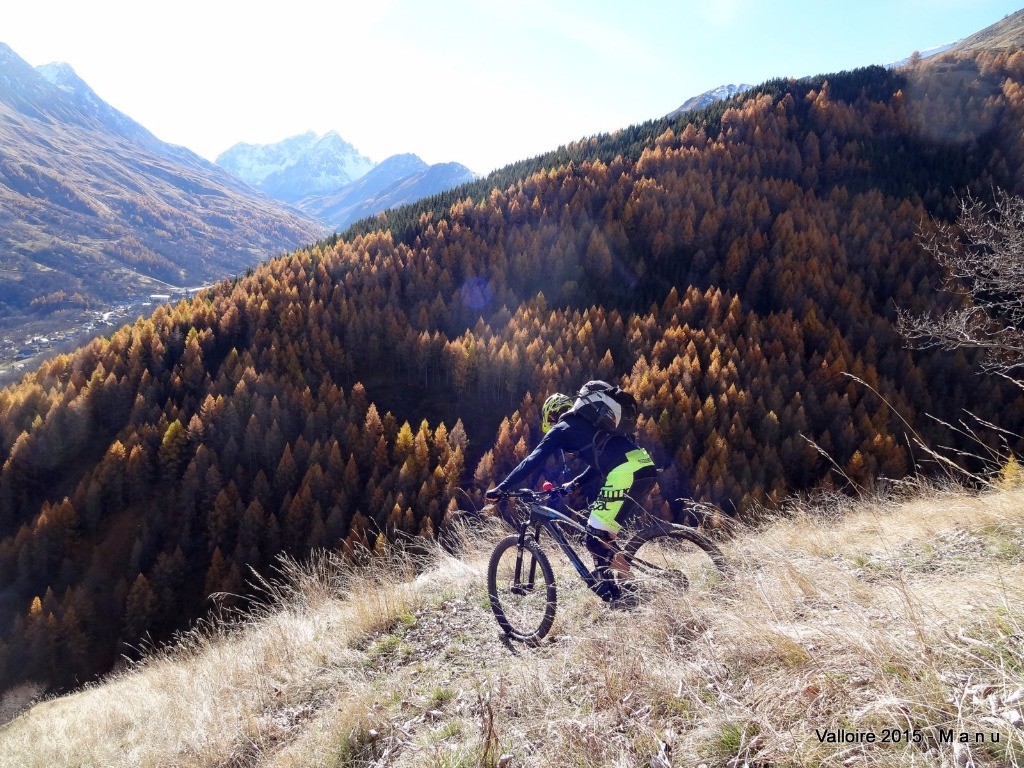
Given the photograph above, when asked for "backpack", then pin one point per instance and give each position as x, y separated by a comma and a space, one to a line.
610, 408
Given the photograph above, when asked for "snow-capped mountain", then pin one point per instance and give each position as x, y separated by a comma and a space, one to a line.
710, 97
327, 178
297, 167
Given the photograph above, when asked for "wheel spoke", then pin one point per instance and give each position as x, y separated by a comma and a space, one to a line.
522, 590
676, 557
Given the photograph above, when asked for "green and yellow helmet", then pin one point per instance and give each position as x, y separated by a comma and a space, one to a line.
552, 410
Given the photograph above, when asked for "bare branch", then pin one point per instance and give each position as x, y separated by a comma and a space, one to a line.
983, 255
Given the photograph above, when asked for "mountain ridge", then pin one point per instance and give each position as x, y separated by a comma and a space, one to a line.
396, 181
298, 165
1008, 33
325, 176
707, 98
96, 207
723, 92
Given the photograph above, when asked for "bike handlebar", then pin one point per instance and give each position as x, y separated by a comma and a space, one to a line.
532, 495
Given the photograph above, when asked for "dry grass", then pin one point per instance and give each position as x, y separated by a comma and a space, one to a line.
871, 617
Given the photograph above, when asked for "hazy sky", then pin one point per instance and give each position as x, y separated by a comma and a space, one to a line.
481, 82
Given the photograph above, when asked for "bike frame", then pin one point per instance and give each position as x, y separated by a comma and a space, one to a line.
546, 518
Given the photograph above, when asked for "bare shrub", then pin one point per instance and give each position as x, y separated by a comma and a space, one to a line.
16, 700
983, 255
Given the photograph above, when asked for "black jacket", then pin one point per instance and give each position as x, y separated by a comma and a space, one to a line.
601, 451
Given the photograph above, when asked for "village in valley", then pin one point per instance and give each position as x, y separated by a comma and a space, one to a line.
22, 349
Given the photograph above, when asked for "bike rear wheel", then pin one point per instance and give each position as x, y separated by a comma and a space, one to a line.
675, 555
521, 587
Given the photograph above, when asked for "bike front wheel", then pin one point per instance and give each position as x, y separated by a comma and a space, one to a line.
521, 587
675, 555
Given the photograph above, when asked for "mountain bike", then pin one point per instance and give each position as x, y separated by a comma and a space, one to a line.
521, 582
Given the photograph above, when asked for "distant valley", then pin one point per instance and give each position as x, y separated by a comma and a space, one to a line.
101, 221
97, 214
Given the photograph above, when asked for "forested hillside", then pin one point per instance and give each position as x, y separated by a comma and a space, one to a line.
729, 268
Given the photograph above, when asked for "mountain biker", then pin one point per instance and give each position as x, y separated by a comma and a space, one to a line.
627, 469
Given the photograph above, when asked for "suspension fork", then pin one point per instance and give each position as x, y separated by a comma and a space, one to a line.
519, 586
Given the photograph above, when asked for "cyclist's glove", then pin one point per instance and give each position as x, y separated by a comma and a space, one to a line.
566, 488
494, 494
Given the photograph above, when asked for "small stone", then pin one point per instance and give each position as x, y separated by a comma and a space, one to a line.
504, 761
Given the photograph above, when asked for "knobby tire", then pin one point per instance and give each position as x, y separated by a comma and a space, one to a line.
523, 599
675, 554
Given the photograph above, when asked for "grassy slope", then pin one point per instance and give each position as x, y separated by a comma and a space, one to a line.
866, 616
1008, 33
